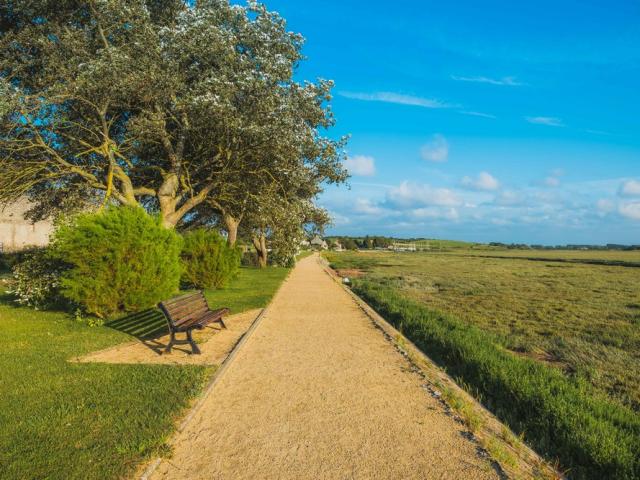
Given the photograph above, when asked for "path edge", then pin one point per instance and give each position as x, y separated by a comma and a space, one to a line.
213, 381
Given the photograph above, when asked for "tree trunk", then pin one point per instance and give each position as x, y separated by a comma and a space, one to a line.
260, 244
167, 198
232, 229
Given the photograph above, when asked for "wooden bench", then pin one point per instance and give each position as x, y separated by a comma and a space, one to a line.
187, 313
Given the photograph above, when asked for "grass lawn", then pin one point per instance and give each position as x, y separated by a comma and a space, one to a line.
252, 288
61, 420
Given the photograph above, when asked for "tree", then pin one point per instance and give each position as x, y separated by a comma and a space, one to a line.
279, 224
349, 243
161, 103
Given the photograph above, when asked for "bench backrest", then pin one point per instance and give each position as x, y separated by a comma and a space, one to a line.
181, 309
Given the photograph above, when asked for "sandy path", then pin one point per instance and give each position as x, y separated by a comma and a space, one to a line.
318, 393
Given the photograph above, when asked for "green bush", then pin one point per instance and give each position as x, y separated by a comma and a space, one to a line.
207, 260
119, 260
8, 260
249, 259
36, 279
562, 418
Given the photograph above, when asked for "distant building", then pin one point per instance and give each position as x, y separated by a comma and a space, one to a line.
403, 247
337, 246
18, 233
319, 243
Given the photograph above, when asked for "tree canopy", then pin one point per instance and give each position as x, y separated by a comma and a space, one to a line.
190, 110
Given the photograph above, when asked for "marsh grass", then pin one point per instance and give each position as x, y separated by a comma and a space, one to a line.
569, 327
581, 319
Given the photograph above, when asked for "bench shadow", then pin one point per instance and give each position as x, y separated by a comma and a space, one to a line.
147, 326
7, 299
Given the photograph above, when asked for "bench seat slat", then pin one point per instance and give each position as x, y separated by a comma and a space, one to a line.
189, 318
186, 296
203, 319
188, 311
175, 307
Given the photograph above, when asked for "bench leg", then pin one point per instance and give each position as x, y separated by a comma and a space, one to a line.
222, 323
171, 342
194, 347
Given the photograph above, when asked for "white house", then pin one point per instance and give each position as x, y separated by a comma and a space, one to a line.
318, 242
18, 233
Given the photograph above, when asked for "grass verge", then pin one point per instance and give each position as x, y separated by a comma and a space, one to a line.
62, 420
252, 288
562, 418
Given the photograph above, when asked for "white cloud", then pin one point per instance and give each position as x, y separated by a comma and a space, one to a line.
630, 210
598, 132
630, 188
361, 165
604, 205
366, 207
549, 121
509, 198
338, 219
437, 150
484, 181
414, 195
435, 213
552, 181
508, 81
397, 98
477, 114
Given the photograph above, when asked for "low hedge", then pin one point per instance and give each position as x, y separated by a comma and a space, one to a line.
562, 418
207, 260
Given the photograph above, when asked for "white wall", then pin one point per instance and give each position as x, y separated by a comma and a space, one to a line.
16, 233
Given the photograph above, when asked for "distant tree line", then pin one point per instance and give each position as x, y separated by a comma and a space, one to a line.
524, 246
367, 242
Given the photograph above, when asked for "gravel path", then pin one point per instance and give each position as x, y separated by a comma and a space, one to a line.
318, 393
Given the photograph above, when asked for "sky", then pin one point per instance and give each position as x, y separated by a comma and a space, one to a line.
481, 121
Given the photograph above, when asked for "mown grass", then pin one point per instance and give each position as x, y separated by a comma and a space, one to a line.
64, 420
252, 288
571, 383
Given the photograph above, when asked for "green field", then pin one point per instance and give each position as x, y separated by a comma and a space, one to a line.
631, 257
579, 320
62, 420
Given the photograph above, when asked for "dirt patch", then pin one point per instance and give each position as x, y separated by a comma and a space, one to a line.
317, 392
215, 343
543, 357
349, 272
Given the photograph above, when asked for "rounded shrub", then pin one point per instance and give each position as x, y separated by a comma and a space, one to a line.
119, 260
207, 260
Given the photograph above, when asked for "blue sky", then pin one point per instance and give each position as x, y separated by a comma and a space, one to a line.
483, 121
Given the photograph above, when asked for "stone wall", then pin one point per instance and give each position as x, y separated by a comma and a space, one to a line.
16, 233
